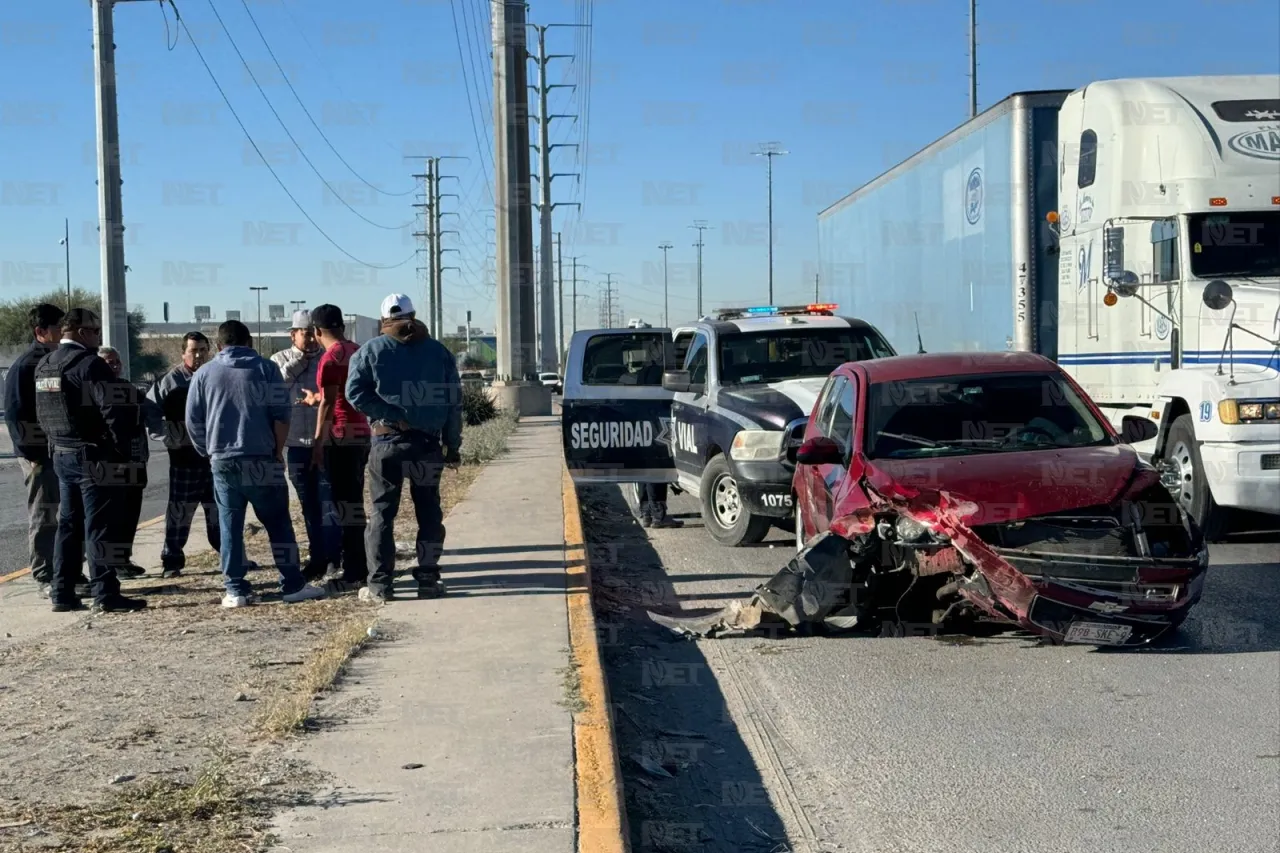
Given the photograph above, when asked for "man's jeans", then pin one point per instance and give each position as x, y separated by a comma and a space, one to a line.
91, 495
312, 486
392, 460
259, 481
43, 496
344, 462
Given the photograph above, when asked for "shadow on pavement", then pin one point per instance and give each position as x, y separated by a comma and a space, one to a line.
690, 780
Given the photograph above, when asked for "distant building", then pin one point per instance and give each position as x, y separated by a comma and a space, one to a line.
275, 335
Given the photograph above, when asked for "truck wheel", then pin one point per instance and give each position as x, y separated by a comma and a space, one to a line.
723, 514
1185, 478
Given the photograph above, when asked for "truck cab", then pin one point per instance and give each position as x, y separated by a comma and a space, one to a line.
712, 406
1169, 275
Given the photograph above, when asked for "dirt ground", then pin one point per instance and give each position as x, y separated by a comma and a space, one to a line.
159, 731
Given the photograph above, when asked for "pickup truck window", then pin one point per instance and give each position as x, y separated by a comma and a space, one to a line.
635, 359
998, 413
748, 358
696, 361
1245, 243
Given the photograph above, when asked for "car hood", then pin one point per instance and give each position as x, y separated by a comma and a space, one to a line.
1011, 486
773, 405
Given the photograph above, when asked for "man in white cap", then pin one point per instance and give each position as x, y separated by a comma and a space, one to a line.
298, 366
406, 384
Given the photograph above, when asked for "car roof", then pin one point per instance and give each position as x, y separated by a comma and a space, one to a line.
899, 368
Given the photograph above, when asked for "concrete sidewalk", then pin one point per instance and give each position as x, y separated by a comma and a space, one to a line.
452, 736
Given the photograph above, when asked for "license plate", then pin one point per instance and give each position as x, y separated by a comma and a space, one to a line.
1097, 633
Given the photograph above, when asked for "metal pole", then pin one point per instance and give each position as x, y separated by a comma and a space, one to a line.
433, 246
973, 58
666, 316
115, 312
513, 223
66, 241
815, 288
560, 295
547, 313
770, 150
699, 226
575, 294
259, 291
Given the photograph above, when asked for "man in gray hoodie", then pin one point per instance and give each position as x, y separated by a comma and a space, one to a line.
238, 418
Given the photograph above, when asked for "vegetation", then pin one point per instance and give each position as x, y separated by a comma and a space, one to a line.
488, 441
14, 330
477, 408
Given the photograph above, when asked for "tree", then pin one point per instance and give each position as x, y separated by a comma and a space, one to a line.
15, 331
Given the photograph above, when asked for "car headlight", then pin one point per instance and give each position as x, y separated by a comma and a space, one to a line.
910, 530
757, 445
1249, 411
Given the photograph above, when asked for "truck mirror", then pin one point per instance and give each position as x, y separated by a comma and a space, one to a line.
676, 380
1126, 284
1113, 253
1217, 294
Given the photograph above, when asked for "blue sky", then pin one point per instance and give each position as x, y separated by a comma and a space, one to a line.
680, 94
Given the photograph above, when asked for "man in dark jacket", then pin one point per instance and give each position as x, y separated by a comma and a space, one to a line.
90, 428
31, 445
407, 385
146, 418
190, 477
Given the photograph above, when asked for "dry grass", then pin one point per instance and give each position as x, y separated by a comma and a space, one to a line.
291, 710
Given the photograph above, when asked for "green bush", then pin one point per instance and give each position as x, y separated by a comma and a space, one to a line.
488, 440
477, 408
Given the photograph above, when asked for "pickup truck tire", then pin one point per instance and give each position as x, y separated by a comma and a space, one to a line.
723, 514
1183, 461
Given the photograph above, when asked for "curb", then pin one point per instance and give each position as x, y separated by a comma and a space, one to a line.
602, 820
13, 576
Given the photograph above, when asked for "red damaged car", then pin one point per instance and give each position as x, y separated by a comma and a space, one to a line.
989, 486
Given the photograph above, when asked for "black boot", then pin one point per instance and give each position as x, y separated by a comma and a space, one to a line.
661, 519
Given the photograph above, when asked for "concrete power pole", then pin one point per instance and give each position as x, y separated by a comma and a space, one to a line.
560, 295
115, 311
513, 225
547, 315
666, 316
429, 238
973, 58
769, 151
700, 226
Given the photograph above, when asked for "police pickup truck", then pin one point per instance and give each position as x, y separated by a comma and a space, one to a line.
711, 406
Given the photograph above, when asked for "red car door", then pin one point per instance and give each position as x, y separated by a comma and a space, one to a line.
817, 485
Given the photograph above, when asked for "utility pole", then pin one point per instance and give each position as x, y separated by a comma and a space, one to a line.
574, 259
607, 300
439, 212
428, 237
666, 317
815, 287
769, 151
560, 295
115, 311
66, 241
514, 220
259, 292
973, 58
700, 226
548, 356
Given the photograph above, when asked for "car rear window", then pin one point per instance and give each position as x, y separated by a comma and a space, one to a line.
633, 359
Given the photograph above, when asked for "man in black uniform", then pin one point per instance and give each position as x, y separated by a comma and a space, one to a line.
644, 369
31, 445
135, 485
81, 409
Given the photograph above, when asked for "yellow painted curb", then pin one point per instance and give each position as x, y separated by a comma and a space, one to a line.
13, 576
602, 822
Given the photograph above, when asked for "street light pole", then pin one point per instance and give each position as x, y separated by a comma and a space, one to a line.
66, 241
771, 150
259, 292
666, 318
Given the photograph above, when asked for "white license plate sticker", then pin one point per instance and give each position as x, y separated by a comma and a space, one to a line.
1097, 633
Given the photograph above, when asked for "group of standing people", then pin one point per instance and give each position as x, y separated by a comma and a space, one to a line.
322, 412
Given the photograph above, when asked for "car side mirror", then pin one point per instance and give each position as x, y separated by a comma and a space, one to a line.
675, 380
1135, 429
819, 450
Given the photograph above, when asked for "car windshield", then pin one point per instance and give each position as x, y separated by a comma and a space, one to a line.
748, 358
977, 414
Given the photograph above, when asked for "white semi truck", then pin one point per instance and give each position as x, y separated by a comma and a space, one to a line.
1129, 229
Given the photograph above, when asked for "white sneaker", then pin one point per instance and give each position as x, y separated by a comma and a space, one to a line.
307, 593
231, 601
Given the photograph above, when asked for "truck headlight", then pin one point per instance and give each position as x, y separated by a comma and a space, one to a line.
757, 445
1248, 411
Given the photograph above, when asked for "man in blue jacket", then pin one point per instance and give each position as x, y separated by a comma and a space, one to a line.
407, 385
238, 417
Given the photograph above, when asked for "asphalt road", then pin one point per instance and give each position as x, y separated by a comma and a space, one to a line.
13, 506
881, 745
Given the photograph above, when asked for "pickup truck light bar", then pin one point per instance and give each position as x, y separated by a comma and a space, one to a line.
814, 308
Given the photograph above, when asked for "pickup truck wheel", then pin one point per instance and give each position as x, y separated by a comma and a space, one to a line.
1184, 476
723, 514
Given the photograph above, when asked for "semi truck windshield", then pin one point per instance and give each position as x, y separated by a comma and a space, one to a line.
774, 356
1246, 243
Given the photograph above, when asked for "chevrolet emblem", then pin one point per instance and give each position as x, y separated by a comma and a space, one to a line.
1107, 607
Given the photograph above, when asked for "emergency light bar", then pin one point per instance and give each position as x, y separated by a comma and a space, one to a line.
816, 308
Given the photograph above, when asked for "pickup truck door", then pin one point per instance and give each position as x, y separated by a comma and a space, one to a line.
615, 415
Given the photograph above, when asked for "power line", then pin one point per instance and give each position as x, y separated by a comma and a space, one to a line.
253, 77
314, 124
213, 77
466, 82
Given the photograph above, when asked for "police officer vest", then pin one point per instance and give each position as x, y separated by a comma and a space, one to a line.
55, 408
